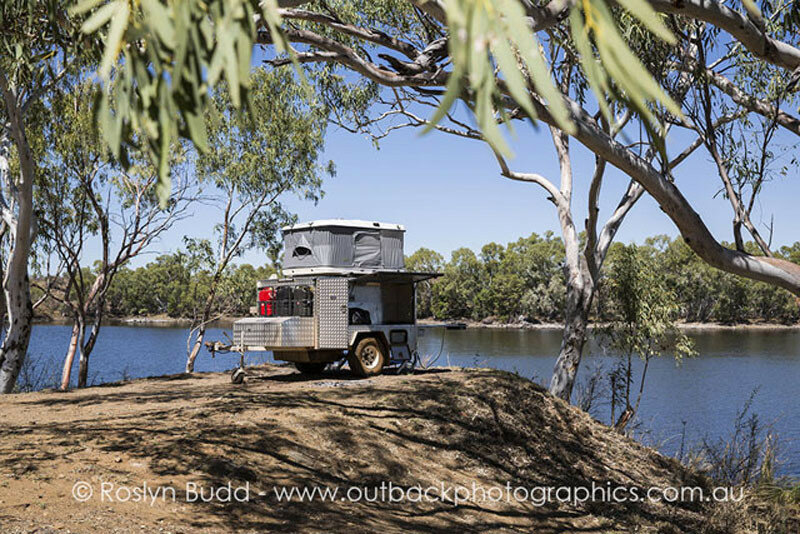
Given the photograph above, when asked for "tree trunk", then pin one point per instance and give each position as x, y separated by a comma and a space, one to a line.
16, 287
201, 328
88, 346
627, 415
198, 344
20, 316
69, 359
83, 357
580, 289
576, 319
641, 385
83, 369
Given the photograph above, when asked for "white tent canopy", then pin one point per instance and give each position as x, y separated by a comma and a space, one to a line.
336, 246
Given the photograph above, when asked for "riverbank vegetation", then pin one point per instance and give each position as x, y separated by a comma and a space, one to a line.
125, 153
380, 67
88, 203
524, 282
521, 282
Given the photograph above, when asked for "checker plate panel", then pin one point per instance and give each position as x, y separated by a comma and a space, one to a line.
330, 311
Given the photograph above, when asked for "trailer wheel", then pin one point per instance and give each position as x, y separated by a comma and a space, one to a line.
237, 376
368, 358
310, 368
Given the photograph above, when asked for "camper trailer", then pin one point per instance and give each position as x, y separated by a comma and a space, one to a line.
345, 295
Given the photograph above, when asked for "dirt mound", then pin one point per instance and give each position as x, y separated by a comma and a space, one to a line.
474, 429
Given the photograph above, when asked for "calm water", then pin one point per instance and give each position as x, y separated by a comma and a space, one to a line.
706, 392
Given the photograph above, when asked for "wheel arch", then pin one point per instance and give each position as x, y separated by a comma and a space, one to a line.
377, 334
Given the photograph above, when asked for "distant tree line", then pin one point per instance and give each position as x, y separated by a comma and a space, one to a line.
176, 286
521, 281
524, 281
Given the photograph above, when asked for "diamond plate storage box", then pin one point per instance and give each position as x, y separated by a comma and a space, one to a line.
330, 307
275, 332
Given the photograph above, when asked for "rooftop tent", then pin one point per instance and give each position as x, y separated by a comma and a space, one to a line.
336, 246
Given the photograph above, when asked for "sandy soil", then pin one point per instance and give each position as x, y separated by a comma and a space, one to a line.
454, 426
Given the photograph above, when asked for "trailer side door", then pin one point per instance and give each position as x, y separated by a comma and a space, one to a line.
330, 306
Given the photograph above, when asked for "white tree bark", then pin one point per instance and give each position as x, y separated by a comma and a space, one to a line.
744, 29
581, 266
19, 218
580, 292
196, 334
139, 221
573, 338
69, 358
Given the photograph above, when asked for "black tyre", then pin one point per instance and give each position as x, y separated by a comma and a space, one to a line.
310, 368
237, 376
368, 358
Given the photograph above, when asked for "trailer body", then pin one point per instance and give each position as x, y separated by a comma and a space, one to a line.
346, 293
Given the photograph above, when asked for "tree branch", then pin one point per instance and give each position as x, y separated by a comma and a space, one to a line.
555, 195
741, 27
747, 101
368, 34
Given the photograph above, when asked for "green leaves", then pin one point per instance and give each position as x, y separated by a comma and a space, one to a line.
99, 18
160, 16
116, 15
646, 307
490, 35
619, 72
260, 158
116, 30
494, 51
159, 62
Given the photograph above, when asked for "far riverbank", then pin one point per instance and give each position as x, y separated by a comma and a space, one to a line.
523, 325
226, 322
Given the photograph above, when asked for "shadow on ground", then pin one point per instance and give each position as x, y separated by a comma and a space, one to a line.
456, 428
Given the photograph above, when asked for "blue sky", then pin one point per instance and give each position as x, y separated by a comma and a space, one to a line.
448, 193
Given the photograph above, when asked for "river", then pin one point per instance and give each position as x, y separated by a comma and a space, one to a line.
694, 401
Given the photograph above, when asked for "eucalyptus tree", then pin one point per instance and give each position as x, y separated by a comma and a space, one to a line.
156, 94
253, 163
425, 260
42, 48
84, 197
747, 149
643, 326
